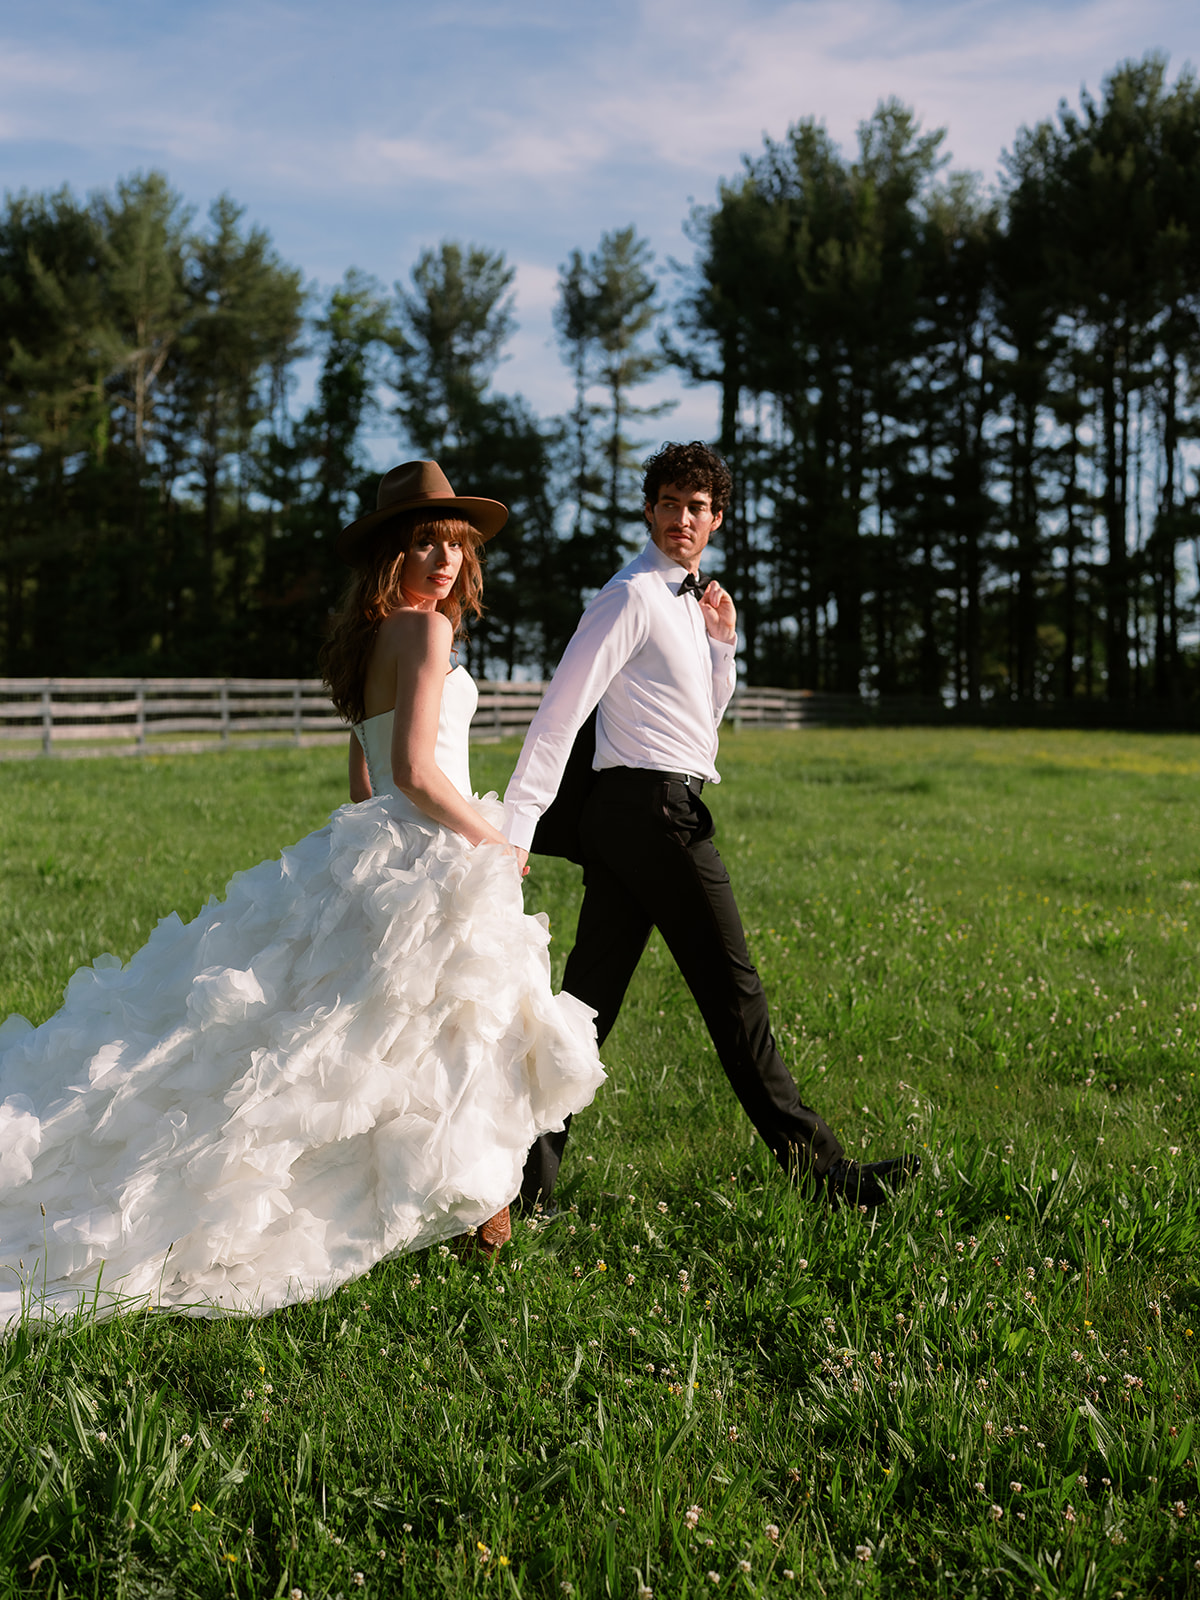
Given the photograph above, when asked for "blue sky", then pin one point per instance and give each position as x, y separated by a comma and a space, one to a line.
358, 133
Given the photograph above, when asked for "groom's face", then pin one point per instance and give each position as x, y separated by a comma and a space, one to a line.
682, 521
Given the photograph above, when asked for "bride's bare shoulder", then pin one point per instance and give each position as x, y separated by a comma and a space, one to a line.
415, 634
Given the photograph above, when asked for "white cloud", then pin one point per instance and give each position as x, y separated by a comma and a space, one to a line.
678, 91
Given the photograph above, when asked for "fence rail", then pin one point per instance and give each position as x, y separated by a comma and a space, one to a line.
64, 717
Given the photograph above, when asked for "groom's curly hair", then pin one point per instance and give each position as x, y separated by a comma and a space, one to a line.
688, 466
375, 591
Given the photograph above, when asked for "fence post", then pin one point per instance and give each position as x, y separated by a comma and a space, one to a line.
140, 715
224, 701
47, 720
298, 711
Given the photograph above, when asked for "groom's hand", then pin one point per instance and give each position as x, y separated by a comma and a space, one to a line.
719, 613
523, 861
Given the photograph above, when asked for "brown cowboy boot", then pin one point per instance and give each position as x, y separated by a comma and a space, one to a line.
488, 1239
495, 1233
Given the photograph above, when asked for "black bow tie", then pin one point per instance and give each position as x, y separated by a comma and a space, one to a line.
693, 584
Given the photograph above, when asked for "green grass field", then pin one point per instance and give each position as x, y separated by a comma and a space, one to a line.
981, 946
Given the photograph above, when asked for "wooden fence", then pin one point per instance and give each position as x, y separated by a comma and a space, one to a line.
172, 716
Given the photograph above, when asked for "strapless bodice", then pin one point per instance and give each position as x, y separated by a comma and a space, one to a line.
459, 699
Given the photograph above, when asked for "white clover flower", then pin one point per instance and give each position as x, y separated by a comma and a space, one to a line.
862, 1552
996, 1513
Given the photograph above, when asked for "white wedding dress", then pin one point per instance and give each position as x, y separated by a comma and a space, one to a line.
345, 1058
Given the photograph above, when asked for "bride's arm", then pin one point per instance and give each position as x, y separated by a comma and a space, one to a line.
423, 640
360, 778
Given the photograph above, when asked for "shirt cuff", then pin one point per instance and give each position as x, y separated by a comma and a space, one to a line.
519, 827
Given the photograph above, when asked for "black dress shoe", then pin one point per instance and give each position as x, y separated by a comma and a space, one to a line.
867, 1183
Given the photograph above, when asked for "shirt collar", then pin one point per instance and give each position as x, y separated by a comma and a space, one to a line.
654, 560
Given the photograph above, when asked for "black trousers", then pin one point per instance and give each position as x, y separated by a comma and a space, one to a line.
651, 863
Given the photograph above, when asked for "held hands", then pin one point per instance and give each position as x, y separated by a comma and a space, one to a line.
719, 613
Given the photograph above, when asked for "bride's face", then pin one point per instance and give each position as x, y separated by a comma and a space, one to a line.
431, 564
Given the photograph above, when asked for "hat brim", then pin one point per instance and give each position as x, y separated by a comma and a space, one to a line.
487, 517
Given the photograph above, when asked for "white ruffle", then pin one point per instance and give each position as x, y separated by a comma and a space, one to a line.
345, 1058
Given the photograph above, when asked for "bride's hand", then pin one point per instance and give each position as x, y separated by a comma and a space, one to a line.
494, 836
521, 857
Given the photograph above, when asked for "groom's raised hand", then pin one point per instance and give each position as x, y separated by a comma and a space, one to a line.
719, 613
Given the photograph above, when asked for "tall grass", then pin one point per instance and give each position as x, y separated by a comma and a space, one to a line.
978, 946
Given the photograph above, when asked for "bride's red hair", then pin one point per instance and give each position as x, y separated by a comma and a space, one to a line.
374, 592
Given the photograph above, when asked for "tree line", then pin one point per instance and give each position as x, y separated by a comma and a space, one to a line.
962, 422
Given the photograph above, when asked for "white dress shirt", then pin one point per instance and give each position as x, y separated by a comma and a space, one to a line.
642, 653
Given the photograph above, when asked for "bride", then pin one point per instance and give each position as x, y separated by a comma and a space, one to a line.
349, 1055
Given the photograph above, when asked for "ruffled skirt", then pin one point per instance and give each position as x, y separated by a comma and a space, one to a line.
345, 1058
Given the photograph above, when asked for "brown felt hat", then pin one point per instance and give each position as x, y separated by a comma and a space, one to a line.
417, 486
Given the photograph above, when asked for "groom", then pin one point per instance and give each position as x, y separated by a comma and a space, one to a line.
655, 652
